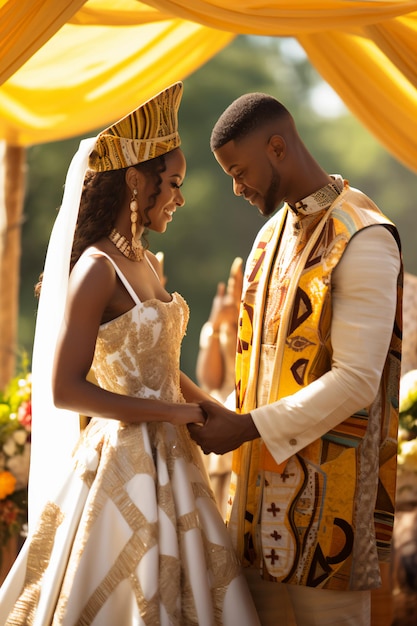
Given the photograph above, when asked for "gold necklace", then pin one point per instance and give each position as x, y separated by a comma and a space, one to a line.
122, 244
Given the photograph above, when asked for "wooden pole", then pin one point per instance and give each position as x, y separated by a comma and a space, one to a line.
12, 191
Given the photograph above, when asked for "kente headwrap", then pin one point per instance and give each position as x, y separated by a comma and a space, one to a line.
146, 133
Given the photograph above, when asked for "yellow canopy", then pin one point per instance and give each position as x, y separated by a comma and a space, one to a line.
71, 66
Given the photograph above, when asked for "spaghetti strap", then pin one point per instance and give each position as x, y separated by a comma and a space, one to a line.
151, 266
132, 293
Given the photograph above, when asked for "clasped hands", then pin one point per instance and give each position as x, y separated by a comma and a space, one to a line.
223, 430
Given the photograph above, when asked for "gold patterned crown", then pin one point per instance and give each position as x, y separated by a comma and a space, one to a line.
147, 132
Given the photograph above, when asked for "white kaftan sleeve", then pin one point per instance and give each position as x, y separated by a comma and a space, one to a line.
364, 295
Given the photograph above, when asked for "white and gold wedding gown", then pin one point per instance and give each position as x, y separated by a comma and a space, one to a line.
134, 537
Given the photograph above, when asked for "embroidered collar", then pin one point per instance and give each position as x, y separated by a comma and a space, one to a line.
320, 199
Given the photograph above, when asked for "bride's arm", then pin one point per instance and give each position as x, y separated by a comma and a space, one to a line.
91, 288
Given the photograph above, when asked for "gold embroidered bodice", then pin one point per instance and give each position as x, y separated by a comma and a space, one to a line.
138, 353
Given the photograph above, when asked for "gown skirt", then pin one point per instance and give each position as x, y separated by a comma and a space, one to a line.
134, 538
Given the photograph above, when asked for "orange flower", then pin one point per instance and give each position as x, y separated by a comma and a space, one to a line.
7, 484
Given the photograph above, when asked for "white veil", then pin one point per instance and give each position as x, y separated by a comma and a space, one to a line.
54, 431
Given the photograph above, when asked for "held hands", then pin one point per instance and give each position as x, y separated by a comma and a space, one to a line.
223, 430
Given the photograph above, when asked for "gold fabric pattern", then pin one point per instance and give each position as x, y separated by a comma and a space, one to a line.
126, 562
188, 521
202, 490
226, 567
300, 224
38, 559
295, 235
170, 570
143, 365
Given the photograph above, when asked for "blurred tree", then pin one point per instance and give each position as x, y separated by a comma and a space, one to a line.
214, 226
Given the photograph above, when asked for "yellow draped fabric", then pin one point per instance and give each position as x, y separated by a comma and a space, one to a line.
86, 77
71, 66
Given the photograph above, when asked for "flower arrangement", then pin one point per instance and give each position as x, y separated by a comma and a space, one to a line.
15, 432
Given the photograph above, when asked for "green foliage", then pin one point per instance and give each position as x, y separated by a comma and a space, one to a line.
214, 226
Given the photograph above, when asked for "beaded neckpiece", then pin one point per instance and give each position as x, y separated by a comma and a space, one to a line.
125, 247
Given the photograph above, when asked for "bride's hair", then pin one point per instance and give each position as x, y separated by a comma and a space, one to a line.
102, 195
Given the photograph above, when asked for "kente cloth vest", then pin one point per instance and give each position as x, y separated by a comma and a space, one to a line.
323, 518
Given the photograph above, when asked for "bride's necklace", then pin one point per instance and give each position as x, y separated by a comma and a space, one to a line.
123, 245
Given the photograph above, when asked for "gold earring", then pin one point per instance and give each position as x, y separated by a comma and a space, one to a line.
137, 247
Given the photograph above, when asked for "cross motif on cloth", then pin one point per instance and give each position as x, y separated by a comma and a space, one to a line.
273, 509
275, 535
285, 475
273, 556
300, 205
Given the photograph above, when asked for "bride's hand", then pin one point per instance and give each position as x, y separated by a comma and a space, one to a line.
188, 413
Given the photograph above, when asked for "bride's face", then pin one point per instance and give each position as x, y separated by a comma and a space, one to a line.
170, 196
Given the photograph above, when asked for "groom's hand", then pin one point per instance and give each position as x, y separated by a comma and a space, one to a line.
223, 430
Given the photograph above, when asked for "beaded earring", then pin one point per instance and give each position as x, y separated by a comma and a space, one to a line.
137, 247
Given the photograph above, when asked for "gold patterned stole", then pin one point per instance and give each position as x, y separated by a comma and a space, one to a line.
253, 455
245, 460
251, 312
